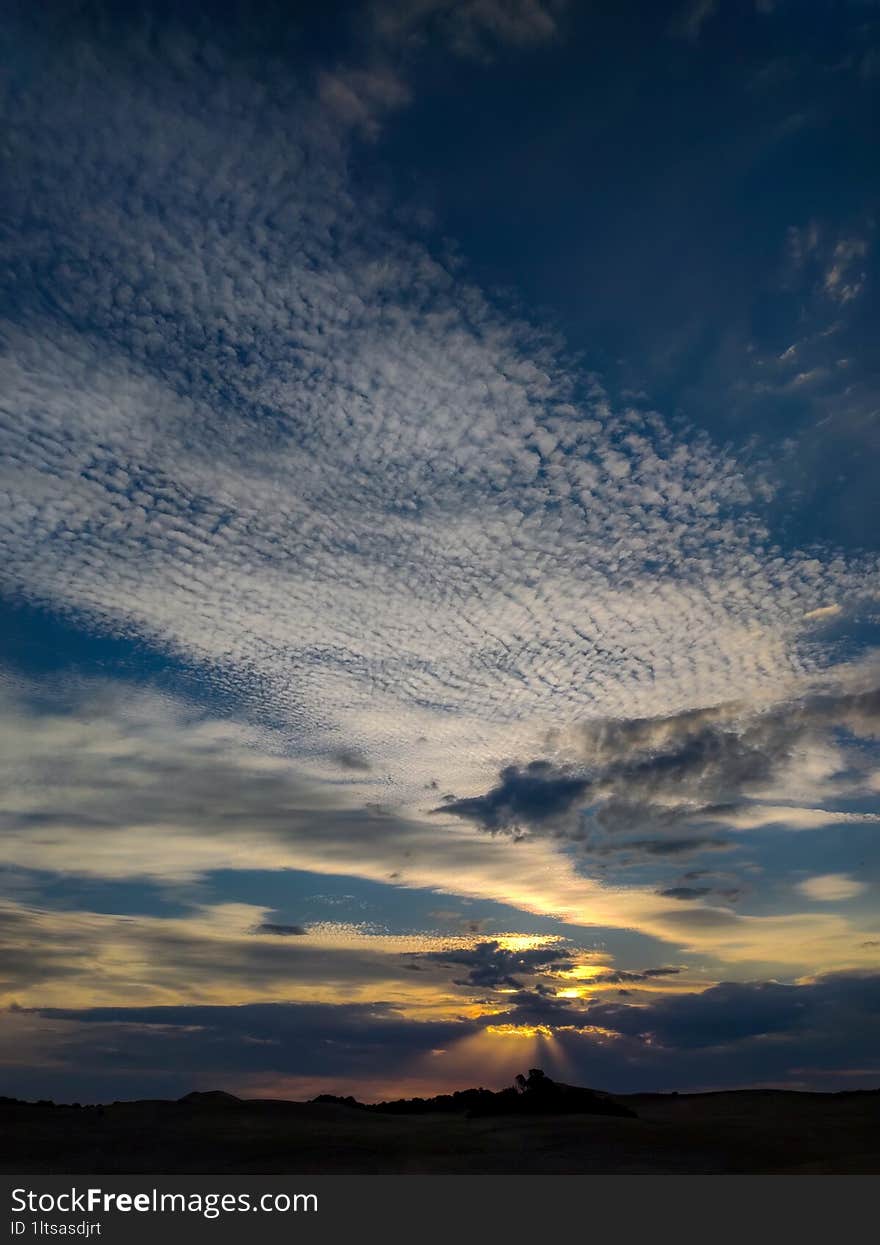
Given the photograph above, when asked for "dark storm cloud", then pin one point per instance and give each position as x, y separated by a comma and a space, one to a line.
492, 966
537, 794
282, 1039
281, 931
662, 847
662, 774
686, 893
712, 756
735, 1011
299, 1023
844, 1007
619, 976
821, 1033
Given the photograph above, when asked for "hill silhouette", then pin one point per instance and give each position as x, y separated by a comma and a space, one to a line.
536, 1126
535, 1094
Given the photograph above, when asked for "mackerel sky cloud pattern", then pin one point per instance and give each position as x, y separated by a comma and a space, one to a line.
424, 598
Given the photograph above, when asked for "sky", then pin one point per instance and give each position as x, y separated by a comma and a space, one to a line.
439, 546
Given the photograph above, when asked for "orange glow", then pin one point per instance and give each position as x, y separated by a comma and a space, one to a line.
524, 942
520, 1031
584, 972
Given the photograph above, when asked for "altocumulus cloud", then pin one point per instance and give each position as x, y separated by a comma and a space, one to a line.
257, 423
377, 500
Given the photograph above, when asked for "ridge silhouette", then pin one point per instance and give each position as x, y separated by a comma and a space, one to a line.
534, 1094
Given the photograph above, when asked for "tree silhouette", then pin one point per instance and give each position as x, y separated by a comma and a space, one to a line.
535, 1083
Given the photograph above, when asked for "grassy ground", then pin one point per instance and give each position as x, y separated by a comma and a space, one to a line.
744, 1132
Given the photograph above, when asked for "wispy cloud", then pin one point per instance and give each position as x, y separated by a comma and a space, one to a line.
690, 21
470, 27
843, 278
159, 791
831, 887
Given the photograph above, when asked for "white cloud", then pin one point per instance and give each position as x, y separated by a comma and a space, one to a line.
822, 612
831, 887
843, 280
269, 435
791, 817
360, 98
112, 782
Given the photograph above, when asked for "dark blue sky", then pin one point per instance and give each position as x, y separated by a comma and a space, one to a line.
641, 190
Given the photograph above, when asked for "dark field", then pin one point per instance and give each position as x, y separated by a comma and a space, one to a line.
737, 1132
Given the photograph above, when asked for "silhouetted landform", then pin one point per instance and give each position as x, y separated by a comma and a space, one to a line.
536, 1127
209, 1098
535, 1094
